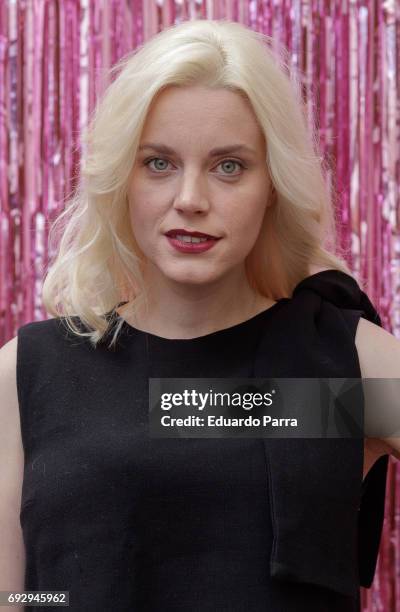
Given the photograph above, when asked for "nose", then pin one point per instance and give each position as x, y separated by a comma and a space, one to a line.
191, 197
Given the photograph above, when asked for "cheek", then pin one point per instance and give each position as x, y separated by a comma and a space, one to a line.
139, 223
137, 215
145, 222
140, 204
246, 222
141, 208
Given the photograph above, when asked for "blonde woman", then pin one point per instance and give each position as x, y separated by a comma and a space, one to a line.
199, 244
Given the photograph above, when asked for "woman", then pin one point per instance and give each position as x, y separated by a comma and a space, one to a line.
201, 134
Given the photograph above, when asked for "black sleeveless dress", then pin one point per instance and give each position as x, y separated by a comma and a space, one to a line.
126, 522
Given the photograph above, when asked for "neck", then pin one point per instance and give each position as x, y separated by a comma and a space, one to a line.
178, 311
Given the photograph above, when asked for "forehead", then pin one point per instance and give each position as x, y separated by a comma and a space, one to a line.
202, 113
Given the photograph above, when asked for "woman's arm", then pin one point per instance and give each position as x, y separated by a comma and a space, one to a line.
379, 356
12, 552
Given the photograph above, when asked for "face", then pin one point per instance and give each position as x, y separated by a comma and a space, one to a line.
178, 182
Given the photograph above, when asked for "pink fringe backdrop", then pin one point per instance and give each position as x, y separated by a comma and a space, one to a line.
54, 57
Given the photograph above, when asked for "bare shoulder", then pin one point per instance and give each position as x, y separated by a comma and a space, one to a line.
10, 431
8, 351
378, 351
314, 269
8, 376
379, 357
12, 553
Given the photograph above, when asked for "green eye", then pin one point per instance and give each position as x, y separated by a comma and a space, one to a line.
231, 163
147, 163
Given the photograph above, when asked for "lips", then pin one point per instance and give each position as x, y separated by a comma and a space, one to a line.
182, 232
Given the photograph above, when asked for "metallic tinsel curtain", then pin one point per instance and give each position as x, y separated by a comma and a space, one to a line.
54, 57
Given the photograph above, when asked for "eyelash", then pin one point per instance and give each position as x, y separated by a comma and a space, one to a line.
147, 162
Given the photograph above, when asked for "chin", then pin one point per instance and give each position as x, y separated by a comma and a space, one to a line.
189, 277
190, 281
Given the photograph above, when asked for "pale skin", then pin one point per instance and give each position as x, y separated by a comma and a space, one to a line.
190, 295
190, 188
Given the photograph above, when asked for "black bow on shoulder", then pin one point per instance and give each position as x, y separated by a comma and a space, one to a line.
327, 524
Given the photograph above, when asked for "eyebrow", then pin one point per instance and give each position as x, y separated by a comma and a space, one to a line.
216, 151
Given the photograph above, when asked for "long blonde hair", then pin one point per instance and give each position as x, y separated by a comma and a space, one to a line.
98, 264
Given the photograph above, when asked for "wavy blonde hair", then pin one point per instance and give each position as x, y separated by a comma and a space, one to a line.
98, 263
